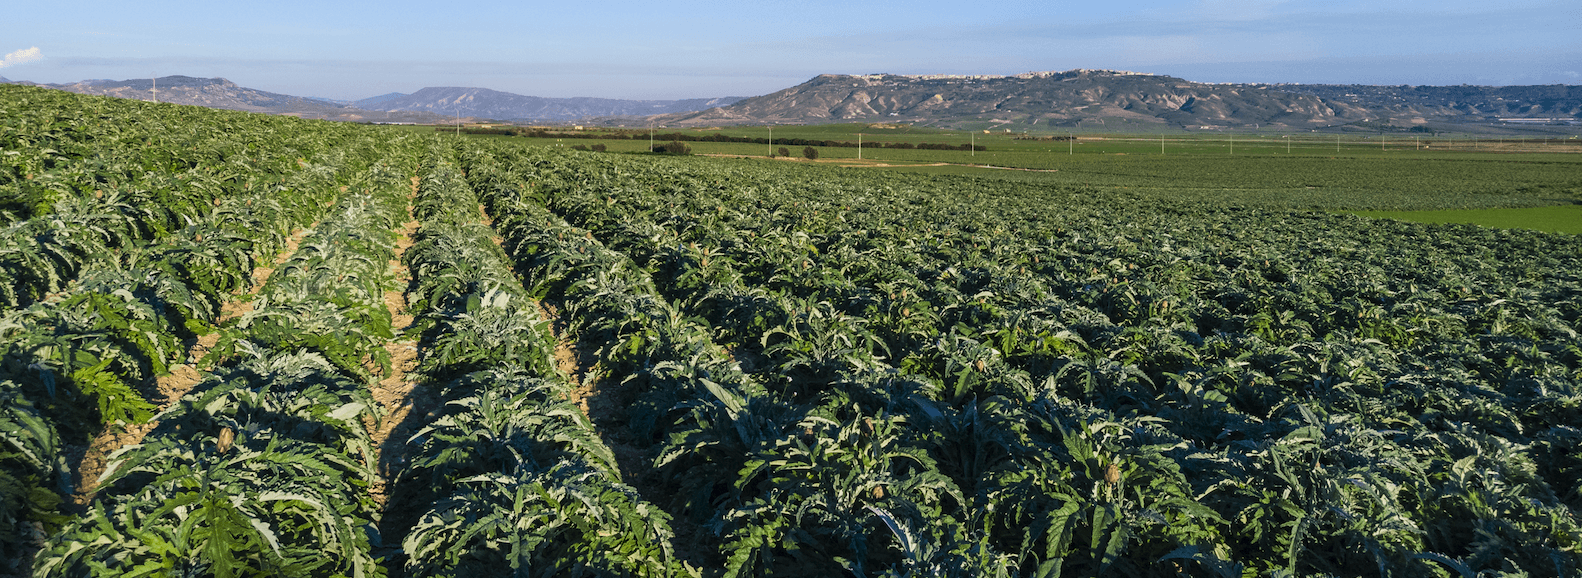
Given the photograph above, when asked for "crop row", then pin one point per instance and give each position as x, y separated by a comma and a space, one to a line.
718, 420
808, 372
840, 450
510, 477
264, 467
79, 361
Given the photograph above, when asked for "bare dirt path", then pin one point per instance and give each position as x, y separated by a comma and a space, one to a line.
396, 392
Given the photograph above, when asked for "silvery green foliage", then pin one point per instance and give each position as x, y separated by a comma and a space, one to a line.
512, 478
127, 227
33, 473
262, 471
1117, 382
523, 486
264, 468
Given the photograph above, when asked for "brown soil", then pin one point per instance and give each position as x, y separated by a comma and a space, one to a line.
396, 392
574, 364
261, 274
408, 408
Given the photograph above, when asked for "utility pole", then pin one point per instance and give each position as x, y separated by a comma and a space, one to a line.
155, 78
1161, 145
1071, 143
771, 141
859, 146
1233, 143
973, 144
650, 136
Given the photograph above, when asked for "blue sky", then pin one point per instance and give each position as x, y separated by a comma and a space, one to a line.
667, 50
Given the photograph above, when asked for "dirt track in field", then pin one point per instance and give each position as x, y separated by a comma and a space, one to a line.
396, 392
407, 408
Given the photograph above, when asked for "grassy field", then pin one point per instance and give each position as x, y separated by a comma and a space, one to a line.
1556, 219
1033, 147
1454, 178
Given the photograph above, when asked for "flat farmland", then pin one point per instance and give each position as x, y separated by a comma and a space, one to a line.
360, 351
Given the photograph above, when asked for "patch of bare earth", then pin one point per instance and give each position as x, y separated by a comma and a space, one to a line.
576, 365
407, 408
165, 390
395, 392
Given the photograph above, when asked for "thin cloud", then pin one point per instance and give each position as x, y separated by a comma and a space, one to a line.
23, 56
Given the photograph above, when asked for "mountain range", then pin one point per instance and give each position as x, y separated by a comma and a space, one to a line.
1079, 98
429, 105
1068, 100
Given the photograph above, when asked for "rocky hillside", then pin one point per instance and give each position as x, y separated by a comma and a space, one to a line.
1072, 98
1451, 102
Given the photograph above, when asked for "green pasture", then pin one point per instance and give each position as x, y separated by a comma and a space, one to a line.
1531, 183
1554, 219
1039, 150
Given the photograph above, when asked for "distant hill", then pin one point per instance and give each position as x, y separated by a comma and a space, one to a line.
372, 101
1449, 102
1079, 98
495, 104
429, 105
1075, 99
222, 93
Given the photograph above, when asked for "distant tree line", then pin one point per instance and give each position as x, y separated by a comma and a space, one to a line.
673, 148
679, 137
1387, 127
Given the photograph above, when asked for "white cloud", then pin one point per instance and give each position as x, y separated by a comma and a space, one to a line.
23, 56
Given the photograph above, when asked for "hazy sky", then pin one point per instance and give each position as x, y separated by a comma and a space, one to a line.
678, 49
